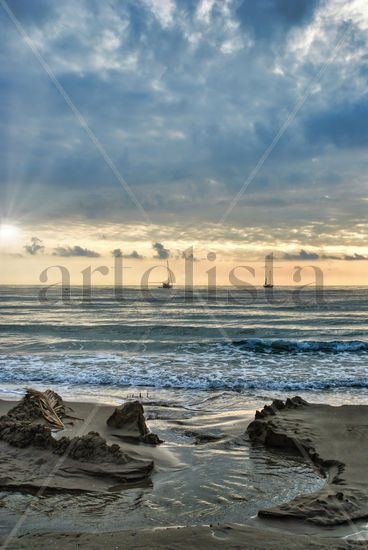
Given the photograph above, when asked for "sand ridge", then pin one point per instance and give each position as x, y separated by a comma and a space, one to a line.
326, 436
335, 440
85, 456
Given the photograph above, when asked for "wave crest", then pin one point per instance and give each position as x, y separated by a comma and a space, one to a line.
259, 345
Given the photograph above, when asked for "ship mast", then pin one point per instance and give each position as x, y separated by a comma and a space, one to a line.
268, 272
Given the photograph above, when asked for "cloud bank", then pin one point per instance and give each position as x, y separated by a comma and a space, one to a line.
304, 255
77, 251
162, 253
186, 97
134, 255
35, 247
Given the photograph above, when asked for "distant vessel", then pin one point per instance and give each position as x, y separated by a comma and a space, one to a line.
268, 275
169, 281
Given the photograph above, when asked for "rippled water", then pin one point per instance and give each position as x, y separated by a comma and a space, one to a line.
212, 360
280, 340
227, 480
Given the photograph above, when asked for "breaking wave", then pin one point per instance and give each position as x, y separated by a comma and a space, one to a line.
217, 370
259, 345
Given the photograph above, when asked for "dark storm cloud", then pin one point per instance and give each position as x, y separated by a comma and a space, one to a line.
302, 255
35, 12
189, 255
343, 124
35, 247
355, 257
161, 252
134, 255
116, 253
185, 96
78, 251
266, 17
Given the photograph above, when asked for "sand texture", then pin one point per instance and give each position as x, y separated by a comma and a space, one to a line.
183, 538
335, 440
96, 452
85, 456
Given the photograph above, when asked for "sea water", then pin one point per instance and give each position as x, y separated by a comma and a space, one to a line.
310, 342
201, 362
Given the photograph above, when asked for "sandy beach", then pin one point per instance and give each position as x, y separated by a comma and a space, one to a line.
225, 536
183, 274
118, 460
334, 439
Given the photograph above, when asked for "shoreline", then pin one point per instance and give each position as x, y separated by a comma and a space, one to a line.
202, 537
335, 440
279, 426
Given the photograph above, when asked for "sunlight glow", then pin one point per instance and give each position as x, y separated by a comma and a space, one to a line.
8, 232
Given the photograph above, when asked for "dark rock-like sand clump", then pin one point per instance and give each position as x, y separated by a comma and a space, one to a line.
29, 408
33, 457
23, 434
334, 440
90, 448
130, 421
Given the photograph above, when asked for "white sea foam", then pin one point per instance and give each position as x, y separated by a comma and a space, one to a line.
218, 367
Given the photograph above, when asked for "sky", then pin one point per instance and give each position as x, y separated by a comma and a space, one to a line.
142, 128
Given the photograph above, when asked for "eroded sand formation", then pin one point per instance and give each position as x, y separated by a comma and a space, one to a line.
334, 440
34, 456
130, 421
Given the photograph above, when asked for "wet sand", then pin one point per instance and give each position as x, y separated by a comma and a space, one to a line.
332, 439
184, 538
33, 468
335, 440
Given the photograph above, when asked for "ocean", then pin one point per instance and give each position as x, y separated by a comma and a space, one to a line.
200, 364
309, 342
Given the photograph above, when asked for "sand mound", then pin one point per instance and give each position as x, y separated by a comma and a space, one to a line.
91, 448
334, 440
24, 434
37, 405
33, 458
130, 421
